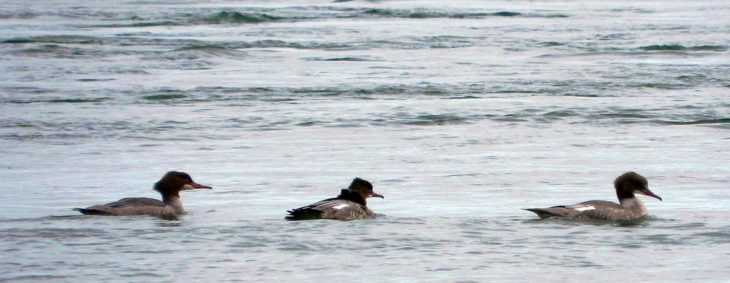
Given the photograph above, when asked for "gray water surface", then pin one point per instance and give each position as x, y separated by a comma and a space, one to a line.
459, 112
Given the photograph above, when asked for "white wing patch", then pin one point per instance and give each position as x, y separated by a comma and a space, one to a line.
584, 208
341, 206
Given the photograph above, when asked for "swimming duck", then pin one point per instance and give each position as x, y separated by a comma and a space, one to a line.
170, 207
349, 205
629, 207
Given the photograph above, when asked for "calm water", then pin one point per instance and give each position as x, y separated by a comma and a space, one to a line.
459, 112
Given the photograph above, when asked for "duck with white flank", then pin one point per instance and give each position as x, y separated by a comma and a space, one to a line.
629, 207
170, 207
349, 205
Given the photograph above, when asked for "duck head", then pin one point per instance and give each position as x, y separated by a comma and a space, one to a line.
174, 182
364, 188
629, 183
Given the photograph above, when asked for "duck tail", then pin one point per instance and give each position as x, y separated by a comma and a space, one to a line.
87, 211
303, 214
541, 212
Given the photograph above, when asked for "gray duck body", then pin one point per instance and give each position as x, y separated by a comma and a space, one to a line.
170, 207
349, 205
629, 207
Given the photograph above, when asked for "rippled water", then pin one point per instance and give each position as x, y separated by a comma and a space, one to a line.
459, 112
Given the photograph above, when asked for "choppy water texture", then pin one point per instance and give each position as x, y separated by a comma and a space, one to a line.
460, 113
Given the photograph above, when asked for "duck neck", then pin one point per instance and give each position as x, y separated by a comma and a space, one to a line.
174, 201
352, 196
633, 204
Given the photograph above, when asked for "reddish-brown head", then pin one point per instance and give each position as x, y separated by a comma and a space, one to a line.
629, 183
364, 188
173, 182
